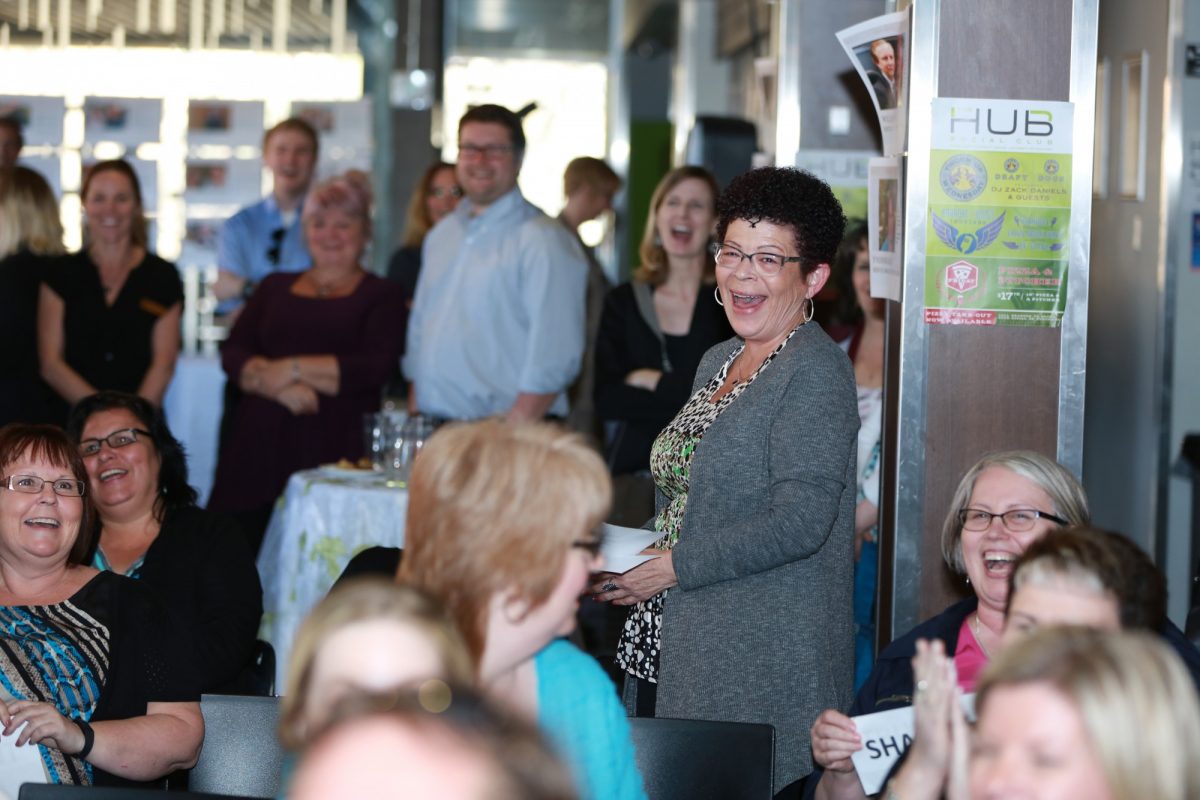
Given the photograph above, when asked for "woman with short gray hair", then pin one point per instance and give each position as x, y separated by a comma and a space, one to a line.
1003, 503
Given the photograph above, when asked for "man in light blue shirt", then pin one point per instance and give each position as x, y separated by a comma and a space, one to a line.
266, 237
497, 323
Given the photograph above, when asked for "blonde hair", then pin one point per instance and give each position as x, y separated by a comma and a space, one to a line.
417, 221
495, 507
1070, 501
364, 600
29, 215
1137, 703
654, 267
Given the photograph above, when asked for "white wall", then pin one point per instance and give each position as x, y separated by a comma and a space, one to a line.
1143, 366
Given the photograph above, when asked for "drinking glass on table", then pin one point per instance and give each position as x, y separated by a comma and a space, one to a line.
407, 442
377, 438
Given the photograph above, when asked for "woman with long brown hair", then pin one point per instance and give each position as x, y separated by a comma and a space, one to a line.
653, 331
108, 316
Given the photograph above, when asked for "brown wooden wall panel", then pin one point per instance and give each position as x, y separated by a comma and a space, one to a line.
989, 388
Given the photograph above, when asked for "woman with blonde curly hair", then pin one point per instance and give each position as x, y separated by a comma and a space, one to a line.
311, 351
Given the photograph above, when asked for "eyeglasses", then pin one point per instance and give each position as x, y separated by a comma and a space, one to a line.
492, 152
591, 546
276, 245
1016, 520
32, 484
439, 192
729, 257
116, 439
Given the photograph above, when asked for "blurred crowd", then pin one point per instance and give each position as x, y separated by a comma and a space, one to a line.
728, 398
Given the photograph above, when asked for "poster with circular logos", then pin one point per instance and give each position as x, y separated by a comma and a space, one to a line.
998, 222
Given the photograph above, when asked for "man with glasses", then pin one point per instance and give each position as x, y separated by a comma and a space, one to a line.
497, 324
266, 237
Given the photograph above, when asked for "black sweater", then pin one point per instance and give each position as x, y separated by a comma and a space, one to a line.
625, 343
203, 570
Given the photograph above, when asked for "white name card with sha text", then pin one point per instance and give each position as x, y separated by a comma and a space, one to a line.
886, 736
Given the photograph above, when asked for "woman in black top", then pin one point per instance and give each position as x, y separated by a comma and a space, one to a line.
151, 529
30, 231
108, 316
89, 670
653, 331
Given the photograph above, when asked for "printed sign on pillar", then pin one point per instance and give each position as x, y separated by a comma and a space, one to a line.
998, 231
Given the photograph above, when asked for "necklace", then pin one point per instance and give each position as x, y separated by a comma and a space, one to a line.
328, 288
979, 637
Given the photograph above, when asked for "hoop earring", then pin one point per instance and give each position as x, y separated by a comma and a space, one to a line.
717, 295
812, 309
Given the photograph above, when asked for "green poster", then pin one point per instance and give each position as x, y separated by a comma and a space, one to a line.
998, 224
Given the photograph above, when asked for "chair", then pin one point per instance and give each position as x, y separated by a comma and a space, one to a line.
241, 754
262, 669
694, 759
45, 791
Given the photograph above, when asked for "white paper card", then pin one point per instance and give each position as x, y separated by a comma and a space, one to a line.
623, 546
18, 765
886, 735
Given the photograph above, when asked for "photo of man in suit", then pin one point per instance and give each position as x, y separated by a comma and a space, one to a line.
883, 74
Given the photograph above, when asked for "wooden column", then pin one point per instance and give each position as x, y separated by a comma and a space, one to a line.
964, 391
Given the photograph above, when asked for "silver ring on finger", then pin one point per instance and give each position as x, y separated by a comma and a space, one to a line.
608, 587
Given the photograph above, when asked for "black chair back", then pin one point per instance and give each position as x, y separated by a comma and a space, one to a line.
241, 753
49, 791
262, 669
684, 759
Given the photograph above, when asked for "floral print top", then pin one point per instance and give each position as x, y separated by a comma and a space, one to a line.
670, 465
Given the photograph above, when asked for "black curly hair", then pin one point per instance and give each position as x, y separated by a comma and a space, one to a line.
173, 488
790, 197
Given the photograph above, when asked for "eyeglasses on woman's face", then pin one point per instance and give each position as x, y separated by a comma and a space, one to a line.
115, 440
1017, 520
32, 484
766, 262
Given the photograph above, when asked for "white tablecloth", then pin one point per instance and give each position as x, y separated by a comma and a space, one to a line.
325, 517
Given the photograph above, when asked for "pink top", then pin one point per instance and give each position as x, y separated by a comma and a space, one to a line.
969, 658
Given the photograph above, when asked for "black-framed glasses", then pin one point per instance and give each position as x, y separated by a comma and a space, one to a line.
592, 546
32, 484
276, 248
492, 152
115, 440
1017, 520
767, 263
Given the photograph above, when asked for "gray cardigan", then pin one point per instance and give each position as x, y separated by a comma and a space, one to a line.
760, 628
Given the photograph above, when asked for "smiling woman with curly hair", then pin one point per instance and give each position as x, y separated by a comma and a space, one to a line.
745, 616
